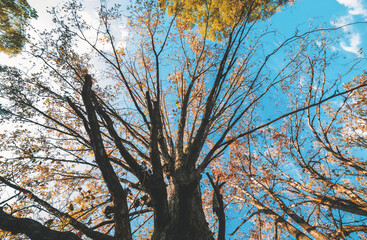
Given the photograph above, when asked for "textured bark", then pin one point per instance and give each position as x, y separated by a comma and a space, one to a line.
31, 228
118, 194
218, 207
187, 219
347, 230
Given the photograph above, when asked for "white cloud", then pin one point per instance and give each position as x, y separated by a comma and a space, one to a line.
342, 21
354, 41
354, 44
355, 7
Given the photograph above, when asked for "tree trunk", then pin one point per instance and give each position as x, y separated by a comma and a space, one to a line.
186, 214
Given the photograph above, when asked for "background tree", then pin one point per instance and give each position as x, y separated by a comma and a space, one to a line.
306, 178
14, 17
128, 138
216, 18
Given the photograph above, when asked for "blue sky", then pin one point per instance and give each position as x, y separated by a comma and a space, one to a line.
335, 12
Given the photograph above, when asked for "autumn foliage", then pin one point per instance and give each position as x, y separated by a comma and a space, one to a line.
172, 133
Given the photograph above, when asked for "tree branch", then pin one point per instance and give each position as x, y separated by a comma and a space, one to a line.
31, 228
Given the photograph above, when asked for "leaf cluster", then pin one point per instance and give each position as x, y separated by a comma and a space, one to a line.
14, 17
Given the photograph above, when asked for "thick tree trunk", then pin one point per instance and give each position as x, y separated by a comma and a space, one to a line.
187, 219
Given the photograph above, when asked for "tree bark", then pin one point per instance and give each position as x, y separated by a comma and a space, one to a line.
31, 228
186, 214
219, 209
118, 194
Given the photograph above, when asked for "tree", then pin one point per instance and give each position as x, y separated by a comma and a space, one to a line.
354, 117
216, 18
14, 17
306, 178
112, 147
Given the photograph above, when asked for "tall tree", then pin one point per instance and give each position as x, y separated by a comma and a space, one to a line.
112, 147
14, 17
